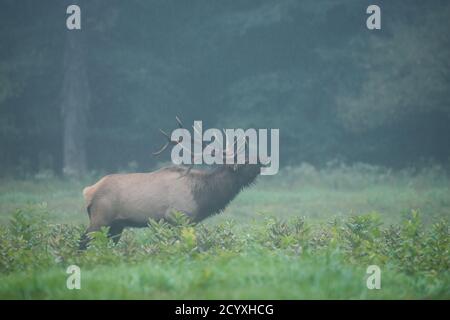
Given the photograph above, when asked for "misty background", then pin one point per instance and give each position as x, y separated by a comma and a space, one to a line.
72, 102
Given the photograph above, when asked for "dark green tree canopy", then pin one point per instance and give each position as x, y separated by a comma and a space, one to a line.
334, 88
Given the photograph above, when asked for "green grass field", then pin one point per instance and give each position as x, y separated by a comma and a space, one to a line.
303, 234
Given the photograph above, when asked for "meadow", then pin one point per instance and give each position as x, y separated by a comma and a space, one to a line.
302, 234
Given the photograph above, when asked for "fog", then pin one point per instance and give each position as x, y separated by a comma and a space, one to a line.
74, 101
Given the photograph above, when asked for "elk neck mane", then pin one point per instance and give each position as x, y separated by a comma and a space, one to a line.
214, 189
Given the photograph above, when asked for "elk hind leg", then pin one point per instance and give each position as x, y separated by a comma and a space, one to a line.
95, 224
115, 231
85, 239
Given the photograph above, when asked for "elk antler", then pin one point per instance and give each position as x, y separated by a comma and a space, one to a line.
229, 150
227, 153
170, 141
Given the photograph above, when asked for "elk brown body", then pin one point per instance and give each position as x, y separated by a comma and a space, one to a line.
129, 200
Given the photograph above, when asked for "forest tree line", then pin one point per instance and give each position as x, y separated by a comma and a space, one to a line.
93, 99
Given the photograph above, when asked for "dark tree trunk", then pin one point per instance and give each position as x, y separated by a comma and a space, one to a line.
75, 105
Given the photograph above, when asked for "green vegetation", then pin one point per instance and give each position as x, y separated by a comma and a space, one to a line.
310, 68
304, 234
74, 105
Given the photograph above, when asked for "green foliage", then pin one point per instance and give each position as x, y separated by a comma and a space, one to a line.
100, 249
22, 243
221, 236
177, 234
245, 252
290, 234
360, 237
181, 235
241, 253
409, 247
29, 243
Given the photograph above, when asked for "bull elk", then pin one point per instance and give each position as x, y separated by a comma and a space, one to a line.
118, 201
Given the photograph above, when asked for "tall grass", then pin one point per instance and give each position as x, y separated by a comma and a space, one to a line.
306, 233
